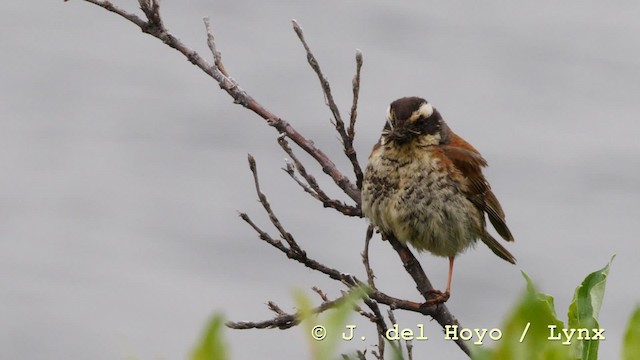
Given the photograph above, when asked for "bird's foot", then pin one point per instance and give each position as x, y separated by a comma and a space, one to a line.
439, 297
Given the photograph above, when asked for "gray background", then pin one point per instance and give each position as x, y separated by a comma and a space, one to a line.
123, 165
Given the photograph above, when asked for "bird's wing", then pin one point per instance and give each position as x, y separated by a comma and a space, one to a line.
470, 163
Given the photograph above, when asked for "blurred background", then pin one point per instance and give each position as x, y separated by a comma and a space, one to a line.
124, 166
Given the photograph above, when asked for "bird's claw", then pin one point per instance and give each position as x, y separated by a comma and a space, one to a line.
438, 298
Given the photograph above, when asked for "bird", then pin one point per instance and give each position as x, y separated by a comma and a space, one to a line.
424, 186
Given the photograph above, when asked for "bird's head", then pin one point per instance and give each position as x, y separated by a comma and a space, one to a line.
413, 120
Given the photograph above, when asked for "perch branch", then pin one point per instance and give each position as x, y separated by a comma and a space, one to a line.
439, 312
153, 25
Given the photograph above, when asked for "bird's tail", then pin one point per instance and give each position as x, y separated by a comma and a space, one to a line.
497, 249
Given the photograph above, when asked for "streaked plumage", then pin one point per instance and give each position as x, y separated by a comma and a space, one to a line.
424, 185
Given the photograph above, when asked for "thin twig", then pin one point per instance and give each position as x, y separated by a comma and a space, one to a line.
262, 234
267, 207
314, 189
284, 320
326, 87
239, 95
211, 42
359, 354
397, 347
153, 25
368, 315
381, 325
275, 308
376, 355
365, 257
281, 322
347, 140
351, 131
349, 280
439, 312
296, 253
291, 171
320, 293
151, 9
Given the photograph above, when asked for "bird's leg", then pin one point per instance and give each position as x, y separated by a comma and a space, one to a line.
439, 296
448, 291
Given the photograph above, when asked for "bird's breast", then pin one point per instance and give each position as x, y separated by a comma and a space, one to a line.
416, 194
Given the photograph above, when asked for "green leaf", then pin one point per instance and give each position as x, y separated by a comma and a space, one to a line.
211, 346
332, 322
336, 320
482, 353
396, 350
631, 344
303, 304
583, 313
535, 312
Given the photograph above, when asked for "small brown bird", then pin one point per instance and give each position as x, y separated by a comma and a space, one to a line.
424, 186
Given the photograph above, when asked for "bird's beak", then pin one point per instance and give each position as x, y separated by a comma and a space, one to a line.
399, 135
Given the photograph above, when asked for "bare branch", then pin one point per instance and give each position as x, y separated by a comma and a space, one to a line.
239, 95
290, 170
281, 322
351, 131
275, 308
365, 257
413, 267
217, 56
381, 325
262, 234
153, 25
284, 320
347, 140
326, 87
313, 188
267, 207
376, 355
320, 293
296, 253
439, 312
392, 319
151, 9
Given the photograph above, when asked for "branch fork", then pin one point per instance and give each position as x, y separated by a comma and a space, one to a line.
286, 243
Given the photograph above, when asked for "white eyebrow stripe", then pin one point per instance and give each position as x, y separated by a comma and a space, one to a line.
389, 119
425, 110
